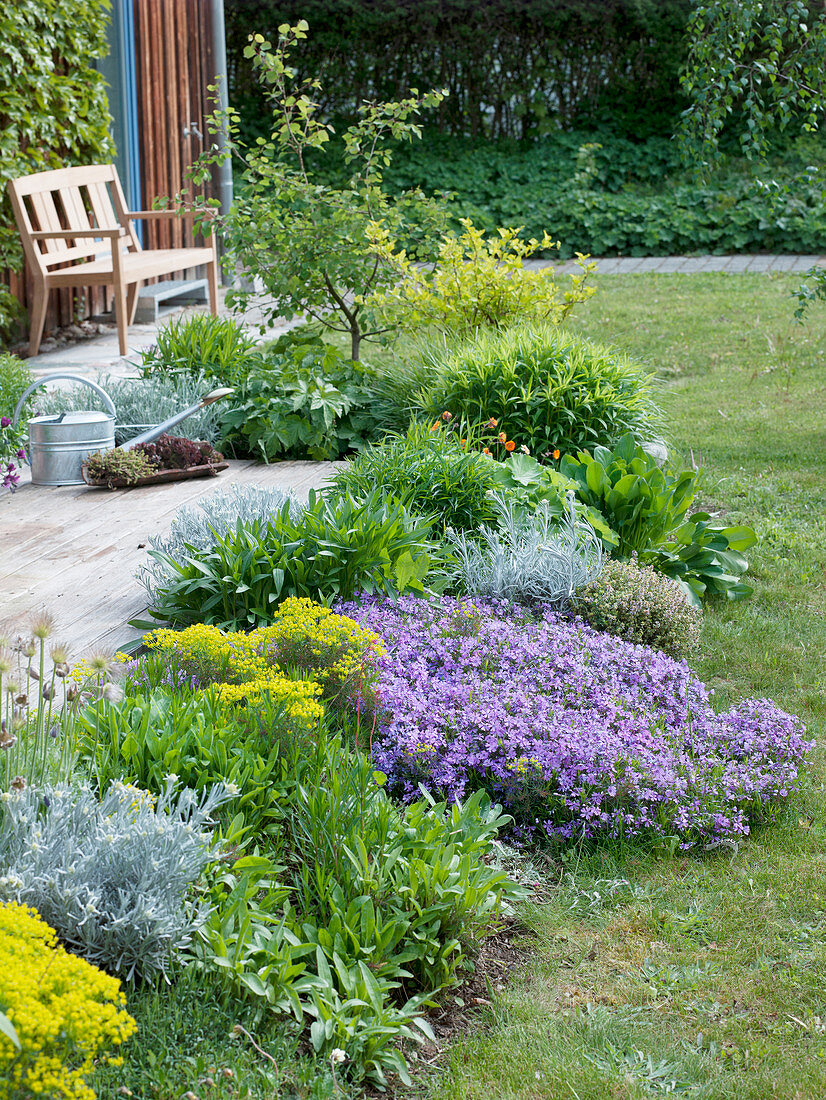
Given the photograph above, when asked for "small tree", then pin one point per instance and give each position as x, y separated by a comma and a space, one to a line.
755, 67
307, 246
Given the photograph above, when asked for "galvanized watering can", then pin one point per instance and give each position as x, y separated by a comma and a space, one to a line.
60, 443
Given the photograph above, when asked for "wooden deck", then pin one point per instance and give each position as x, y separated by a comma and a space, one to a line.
73, 551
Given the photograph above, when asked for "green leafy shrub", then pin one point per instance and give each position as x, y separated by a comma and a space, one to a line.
635, 199
338, 546
151, 734
304, 397
533, 486
376, 908
549, 390
640, 502
646, 508
431, 472
216, 348
634, 602
478, 282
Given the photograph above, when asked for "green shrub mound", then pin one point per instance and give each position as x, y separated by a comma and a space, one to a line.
431, 472
547, 389
634, 602
338, 546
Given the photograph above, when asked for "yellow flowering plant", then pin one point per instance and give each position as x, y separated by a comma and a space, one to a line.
307, 656
65, 1013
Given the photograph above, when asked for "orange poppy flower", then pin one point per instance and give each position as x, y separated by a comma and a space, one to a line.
492, 422
502, 437
462, 442
510, 445
486, 451
436, 424
447, 415
557, 453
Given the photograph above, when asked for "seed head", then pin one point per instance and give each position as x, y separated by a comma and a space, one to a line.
99, 663
18, 783
59, 654
42, 625
113, 693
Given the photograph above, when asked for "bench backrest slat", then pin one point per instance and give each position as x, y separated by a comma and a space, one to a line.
85, 203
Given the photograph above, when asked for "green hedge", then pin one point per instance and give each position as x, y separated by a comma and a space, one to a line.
514, 68
53, 106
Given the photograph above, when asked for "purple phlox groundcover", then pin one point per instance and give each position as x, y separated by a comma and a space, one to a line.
577, 733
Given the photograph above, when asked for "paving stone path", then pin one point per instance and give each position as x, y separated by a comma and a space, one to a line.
690, 265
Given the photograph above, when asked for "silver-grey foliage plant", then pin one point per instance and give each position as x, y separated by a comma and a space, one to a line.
112, 877
531, 556
145, 402
201, 525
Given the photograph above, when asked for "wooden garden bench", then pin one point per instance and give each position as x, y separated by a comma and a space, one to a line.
75, 233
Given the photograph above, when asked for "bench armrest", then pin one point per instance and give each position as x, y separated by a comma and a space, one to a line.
204, 215
81, 234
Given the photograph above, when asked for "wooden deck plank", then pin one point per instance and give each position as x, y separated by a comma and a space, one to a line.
74, 551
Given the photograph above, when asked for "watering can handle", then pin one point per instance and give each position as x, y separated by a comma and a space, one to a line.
107, 400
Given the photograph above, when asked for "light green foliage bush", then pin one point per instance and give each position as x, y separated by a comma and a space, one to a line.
54, 106
431, 472
477, 282
338, 546
642, 606
549, 390
303, 397
646, 508
215, 348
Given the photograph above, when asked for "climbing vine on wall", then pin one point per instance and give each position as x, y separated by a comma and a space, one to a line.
53, 106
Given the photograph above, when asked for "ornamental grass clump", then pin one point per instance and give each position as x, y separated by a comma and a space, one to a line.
577, 733
634, 602
65, 1015
548, 389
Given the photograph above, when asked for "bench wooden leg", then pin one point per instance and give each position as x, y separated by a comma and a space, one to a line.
121, 318
38, 318
132, 301
212, 278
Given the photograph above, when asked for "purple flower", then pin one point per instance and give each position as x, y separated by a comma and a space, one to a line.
575, 732
5, 421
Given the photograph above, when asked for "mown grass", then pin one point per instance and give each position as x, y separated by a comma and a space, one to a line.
701, 974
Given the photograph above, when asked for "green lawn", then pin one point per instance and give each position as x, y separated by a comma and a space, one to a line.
698, 975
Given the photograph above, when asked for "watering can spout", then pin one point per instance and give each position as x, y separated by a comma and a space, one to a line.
159, 429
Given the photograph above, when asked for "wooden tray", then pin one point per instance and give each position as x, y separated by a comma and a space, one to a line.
160, 477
